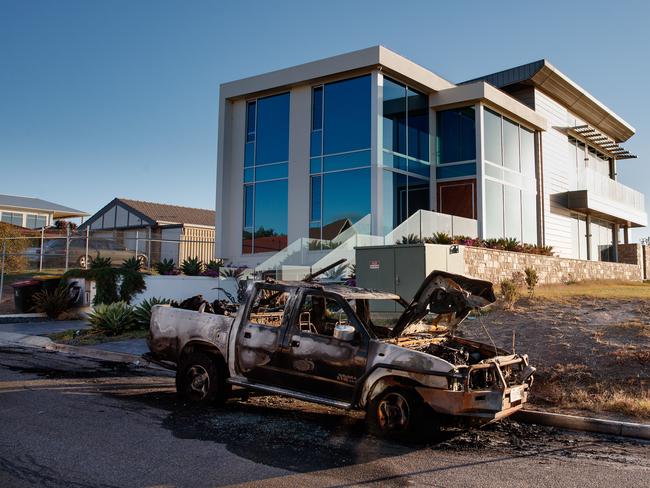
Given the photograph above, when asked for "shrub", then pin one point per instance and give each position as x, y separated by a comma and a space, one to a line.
14, 260
105, 279
52, 302
531, 281
166, 267
142, 312
410, 239
132, 283
441, 238
192, 266
112, 319
509, 292
213, 268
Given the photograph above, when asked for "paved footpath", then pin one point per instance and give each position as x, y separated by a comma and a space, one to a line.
75, 422
130, 346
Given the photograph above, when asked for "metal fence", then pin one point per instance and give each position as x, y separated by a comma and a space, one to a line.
47, 251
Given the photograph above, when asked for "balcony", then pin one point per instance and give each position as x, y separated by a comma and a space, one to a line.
600, 196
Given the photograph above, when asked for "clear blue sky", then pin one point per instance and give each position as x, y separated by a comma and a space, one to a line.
119, 97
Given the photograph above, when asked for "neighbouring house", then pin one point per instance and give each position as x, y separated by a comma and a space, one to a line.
526, 153
34, 213
159, 230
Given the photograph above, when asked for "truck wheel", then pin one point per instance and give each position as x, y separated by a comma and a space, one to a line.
201, 380
396, 412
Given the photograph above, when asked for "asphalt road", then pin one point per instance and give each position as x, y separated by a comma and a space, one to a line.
74, 422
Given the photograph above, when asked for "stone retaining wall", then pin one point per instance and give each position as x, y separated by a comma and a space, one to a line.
494, 265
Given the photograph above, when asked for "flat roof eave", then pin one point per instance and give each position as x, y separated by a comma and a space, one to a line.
377, 57
483, 92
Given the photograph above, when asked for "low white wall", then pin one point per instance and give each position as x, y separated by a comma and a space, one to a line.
181, 287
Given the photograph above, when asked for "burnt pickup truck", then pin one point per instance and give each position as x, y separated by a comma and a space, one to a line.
322, 343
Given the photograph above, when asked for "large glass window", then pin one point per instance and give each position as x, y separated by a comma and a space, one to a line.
405, 152
13, 218
492, 134
346, 197
346, 115
510, 164
266, 156
340, 156
456, 135
493, 209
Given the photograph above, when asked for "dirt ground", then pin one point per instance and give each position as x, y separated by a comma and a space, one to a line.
591, 353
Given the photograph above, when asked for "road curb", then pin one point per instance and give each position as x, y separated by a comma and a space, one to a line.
10, 338
588, 424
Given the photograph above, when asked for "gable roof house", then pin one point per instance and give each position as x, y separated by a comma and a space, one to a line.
160, 230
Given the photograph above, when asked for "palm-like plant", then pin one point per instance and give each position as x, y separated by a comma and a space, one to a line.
192, 266
142, 312
112, 319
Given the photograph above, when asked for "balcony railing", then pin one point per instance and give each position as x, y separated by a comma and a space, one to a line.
603, 186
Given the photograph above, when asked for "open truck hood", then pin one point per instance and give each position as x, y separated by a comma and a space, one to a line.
447, 294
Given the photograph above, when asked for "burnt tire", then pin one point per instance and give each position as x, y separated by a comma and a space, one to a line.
396, 413
201, 379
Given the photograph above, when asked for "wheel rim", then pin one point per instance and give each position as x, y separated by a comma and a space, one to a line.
393, 412
198, 381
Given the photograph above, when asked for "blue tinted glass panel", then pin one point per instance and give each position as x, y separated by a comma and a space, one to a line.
418, 125
493, 209
249, 175
394, 117
418, 195
317, 109
315, 199
493, 137
456, 170
272, 134
394, 161
527, 139
315, 165
347, 115
314, 231
346, 199
394, 199
270, 216
250, 121
316, 143
456, 135
249, 154
248, 206
271, 172
345, 161
419, 168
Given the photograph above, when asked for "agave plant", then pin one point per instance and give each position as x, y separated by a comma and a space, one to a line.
213, 268
52, 302
132, 263
165, 267
112, 319
511, 244
232, 272
192, 266
337, 273
100, 262
142, 312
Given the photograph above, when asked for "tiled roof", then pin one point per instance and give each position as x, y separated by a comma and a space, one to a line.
162, 213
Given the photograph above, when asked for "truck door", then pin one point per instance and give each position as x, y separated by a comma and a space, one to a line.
315, 360
260, 336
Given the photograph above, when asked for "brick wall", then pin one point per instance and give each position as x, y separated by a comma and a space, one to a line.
494, 265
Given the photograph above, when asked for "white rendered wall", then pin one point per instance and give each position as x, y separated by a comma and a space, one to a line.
181, 287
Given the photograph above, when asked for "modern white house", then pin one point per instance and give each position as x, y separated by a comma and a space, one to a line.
34, 213
370, 136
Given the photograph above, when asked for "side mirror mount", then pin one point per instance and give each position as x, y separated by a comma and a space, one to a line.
345, 333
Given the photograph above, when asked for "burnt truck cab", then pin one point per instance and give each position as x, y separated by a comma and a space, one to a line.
322, 343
